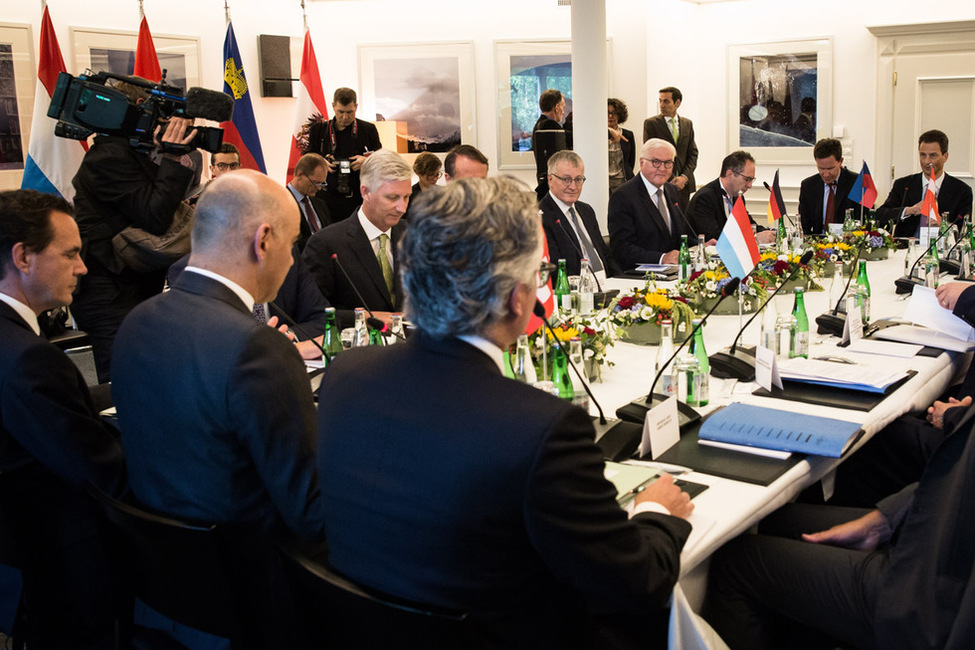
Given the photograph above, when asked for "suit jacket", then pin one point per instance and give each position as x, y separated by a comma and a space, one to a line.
955, 198
298, 299
629, 153
321, 211
348, 240
216, 413
706, 211
686, 161
811, 196
544, 123
637, 232
503, 512
562, 240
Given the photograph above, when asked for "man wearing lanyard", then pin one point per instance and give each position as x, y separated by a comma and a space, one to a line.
345, 142
711, 205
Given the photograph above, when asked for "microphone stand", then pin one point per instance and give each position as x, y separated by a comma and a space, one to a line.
831, 322
372, 317
636, 410
739, 363
906, 284
580, 253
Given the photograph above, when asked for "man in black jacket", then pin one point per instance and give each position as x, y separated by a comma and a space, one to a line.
824, 197
552, 105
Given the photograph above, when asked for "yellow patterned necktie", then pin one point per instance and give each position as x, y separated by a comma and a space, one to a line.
386, 266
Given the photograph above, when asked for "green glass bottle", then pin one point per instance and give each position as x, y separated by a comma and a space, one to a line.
375, 337
560, 374
563, 293
332, 342
782, 237
800, 347
864, 282
697, 349
508, 372
684, 260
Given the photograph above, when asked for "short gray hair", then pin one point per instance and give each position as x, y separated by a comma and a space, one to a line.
469, 244
564, 156
657, 143
383, 166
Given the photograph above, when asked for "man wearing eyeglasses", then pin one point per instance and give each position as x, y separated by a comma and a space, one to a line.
570, 225
310, 174
711, 204
645, 219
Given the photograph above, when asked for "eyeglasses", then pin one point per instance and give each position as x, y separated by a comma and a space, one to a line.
317, 184
657, 164
225, 166
748, 179
436, 176
545, 272
568, 180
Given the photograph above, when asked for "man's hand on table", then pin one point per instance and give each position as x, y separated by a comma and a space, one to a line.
664, 492
947, 293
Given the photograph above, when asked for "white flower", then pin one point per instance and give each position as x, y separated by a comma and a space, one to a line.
711, 286
646, 313
588, 353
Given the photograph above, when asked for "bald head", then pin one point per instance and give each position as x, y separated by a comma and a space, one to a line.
244, 228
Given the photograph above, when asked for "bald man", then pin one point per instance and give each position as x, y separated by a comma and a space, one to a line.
215, 407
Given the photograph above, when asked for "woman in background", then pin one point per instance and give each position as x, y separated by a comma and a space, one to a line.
622, 145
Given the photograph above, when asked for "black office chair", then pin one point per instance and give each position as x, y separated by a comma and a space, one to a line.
341, 614
176, 568
12, 622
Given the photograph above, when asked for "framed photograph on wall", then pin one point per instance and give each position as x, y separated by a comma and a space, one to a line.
780, 98
426, 89
18, 75
523, 70
114, 51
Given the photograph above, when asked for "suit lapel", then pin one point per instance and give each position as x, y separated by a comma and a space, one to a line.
362, 250
8, 312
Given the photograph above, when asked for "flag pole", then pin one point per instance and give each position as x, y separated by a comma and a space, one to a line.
304, 15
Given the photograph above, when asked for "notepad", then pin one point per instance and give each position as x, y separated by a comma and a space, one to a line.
626, 478
757, 426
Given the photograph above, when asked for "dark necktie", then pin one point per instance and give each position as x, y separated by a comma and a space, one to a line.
830, 206
595, 263
260, 312
311, 215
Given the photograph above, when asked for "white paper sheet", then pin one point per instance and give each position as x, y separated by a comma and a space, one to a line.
924, 309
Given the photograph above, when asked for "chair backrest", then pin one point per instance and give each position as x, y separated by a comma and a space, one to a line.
342, 614
177, 568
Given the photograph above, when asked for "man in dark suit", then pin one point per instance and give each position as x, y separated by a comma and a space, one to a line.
711, 205
678, 131
345, 142
902, 209
365, 246
310, 174
552, 105
51, 438
465, 161
489, 495
824, 197
570, 225
221, 428
899, 576
645, 221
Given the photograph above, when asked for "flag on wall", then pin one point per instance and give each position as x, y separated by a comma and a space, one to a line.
929, 207
242, 130
736, 245
864, 191
311, 106
776, 204
51, 161
146, 61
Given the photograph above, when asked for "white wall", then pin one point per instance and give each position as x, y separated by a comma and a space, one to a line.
664, 42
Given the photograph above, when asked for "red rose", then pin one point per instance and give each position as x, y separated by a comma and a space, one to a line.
626, 302
694, 276
781, 266
588, 331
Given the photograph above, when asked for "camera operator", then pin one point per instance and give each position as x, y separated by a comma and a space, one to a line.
344, 141
117, 187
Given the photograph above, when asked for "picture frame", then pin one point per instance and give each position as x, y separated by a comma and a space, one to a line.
427, 89
780, 97
523, 69
18, 76
97, 49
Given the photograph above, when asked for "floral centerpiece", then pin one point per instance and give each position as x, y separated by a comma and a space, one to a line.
773, 268
704, 288
876, 242
597, 331
828, 251
640, 312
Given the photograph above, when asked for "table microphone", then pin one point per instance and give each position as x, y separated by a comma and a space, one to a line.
296, 327
739, 363
636, 410
685, 220
372, 317
906, 284
579, 252
831, 322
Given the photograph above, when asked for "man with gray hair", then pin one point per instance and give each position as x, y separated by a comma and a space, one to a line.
357, 257
488, 495
645, 219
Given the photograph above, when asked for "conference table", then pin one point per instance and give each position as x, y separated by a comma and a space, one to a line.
729, 507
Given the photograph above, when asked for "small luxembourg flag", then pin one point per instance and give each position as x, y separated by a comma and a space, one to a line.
736, 245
